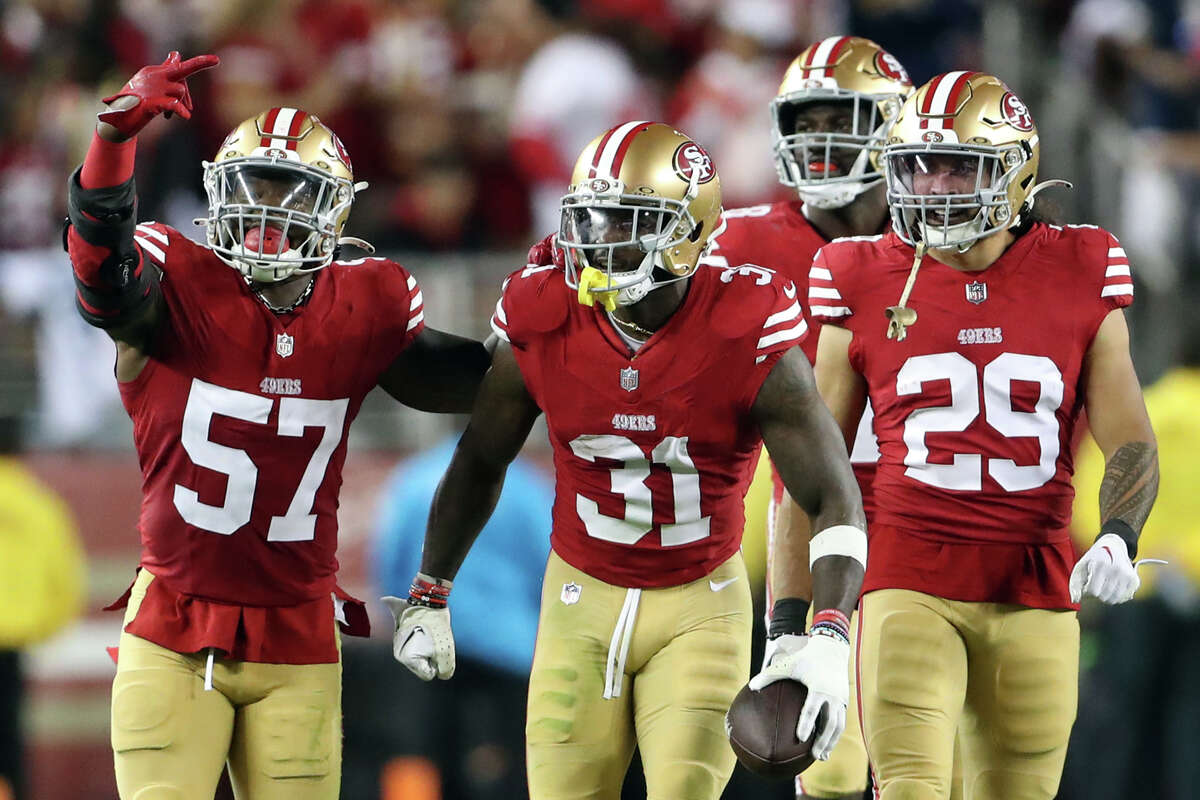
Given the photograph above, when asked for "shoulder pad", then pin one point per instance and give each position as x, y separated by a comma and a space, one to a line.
534, 300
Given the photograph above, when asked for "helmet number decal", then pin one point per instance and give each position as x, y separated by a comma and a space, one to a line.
1015, 112
691, 157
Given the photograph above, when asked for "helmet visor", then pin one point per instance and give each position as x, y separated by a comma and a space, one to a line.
271, 187
614, 239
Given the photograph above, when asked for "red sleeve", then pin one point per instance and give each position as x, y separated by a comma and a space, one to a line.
784, 325
825, 302
531, 301
1117, 289
107, 163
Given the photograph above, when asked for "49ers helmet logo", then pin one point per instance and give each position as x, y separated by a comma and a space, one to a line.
341, 151
1015, 113
889, 67
690, 157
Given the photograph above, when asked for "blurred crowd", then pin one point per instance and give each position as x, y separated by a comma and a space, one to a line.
466, 115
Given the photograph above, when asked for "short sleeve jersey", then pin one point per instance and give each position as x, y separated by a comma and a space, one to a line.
976, 408
780, 237
241, 416
653, 450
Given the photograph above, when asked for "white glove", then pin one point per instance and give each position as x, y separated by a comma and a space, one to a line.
423, 641
1105, 572
822, 663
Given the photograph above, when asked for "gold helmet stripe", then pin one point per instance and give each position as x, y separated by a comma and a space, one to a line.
610, 153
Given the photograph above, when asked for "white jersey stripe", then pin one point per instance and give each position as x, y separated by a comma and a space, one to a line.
1116, 252
605, 165
779, 317
145, 229
1117, 289
412, 282
1115, 270
415, 321
500, 315
830, 311
151, 249
417, 299
499, 331
794, 332
824, 293
820, 274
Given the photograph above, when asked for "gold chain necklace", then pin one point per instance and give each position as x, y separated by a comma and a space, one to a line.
633, 327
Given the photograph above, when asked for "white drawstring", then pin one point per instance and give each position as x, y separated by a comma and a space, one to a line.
614, 672
208, 670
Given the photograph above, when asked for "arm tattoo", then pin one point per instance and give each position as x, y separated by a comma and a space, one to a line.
1130, 484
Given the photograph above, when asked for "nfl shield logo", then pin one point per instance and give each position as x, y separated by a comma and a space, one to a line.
629, 379
570, 593
976, 292
284, 345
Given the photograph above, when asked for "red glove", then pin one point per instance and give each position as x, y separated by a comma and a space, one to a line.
159, 89
544, 253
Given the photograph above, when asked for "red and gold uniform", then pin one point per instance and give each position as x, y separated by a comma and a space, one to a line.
780, 236
645, 622
966, 600
240, 422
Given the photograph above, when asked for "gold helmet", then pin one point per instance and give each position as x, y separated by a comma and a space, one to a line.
279, 192
961, 161
833, 165
643, 198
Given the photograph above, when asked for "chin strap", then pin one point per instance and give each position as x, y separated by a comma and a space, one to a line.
361, 244
900, 316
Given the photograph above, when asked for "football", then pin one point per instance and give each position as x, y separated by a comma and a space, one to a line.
762, 730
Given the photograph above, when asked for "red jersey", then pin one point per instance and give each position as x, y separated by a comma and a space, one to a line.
653, 450
976, 409
240, 422
780, 237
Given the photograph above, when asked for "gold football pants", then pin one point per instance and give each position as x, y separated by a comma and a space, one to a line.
279, 726
1004, 676
670, 662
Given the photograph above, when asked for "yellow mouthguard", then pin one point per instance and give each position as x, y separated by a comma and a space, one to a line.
592, 278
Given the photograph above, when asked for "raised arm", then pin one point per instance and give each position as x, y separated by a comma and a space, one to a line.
438, 372
1119, 423
504, 413
116, 289
811, 457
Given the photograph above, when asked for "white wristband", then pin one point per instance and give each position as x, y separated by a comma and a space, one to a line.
840, 540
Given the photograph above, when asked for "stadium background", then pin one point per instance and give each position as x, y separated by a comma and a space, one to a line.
465, 117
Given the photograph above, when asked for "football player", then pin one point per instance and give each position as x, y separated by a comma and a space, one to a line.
831, 117
659, 379
242, 362
1000, 330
